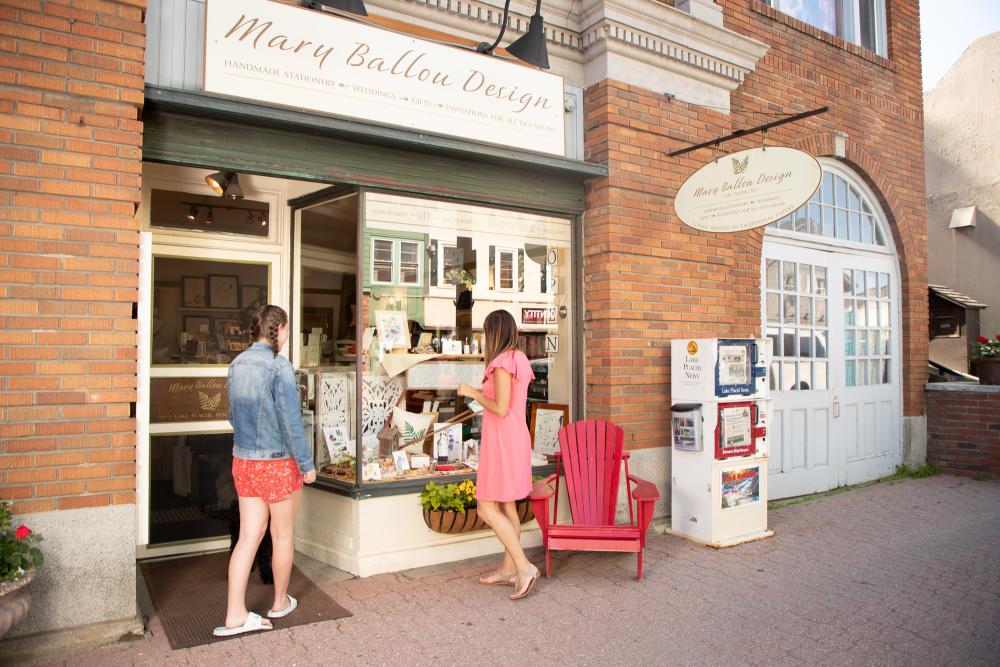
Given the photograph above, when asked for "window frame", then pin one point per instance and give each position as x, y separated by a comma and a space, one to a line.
442, 267
498, 267
880, 224
392, 261
848, 19
396, 278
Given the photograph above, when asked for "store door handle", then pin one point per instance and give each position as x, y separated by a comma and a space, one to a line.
836, 405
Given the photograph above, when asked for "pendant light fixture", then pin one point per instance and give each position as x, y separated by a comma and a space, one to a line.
192, 214
530, 47
217, 181
352, 6
225, 183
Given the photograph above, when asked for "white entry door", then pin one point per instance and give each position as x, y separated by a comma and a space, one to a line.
832, 317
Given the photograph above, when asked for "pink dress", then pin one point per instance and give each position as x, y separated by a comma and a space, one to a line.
505, 446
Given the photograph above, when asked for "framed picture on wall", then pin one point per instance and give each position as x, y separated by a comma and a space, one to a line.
223, 291
546, 420
193, 292
194, 324
253, 295
393, 329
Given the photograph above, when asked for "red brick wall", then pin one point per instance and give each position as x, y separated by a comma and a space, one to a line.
649, 278
71, 86
963, 431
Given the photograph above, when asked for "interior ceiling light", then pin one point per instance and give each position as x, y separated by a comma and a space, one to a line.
208, 218
225, 183
352, 6
193, 214
530, 47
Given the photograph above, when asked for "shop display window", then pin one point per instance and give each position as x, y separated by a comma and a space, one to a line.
202, 309
431, 272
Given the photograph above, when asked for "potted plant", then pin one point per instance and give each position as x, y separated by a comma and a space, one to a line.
986, 359
463, 282
451, 508
19, 560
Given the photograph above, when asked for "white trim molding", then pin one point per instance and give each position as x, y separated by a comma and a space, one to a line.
687, 54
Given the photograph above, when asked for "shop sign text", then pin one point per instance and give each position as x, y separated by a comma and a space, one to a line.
296, 57
748, 189
188, 399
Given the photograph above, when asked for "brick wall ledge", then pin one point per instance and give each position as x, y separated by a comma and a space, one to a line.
963, 386
833, 40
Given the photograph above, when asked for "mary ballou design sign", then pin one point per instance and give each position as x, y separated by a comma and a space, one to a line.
189, 399
748, 189
296, 57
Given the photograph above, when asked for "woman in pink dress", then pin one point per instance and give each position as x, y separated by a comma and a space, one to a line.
504, 474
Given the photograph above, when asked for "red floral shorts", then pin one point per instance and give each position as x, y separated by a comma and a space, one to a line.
272, 480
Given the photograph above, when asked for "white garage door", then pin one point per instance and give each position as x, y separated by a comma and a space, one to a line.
830, 305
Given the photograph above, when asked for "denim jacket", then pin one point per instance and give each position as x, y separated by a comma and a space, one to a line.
264, 408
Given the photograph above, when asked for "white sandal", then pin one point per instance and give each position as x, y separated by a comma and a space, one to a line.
292, 604
253, 623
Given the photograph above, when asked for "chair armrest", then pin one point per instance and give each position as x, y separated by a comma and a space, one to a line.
644, 491
541, 490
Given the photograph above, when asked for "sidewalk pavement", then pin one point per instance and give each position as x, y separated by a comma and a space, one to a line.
900, 573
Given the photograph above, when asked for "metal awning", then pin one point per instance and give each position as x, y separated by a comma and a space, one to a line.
957, 298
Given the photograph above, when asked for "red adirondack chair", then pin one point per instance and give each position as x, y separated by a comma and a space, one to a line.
591, 456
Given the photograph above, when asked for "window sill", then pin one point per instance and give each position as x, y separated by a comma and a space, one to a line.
401, 486
763, 9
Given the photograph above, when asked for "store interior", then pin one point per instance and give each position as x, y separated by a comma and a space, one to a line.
412, 323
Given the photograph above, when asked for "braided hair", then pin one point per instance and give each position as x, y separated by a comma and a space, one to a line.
265, 324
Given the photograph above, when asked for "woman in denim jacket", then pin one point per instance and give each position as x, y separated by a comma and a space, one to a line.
271, 460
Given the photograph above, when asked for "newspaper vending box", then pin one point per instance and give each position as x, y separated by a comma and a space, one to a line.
719, 429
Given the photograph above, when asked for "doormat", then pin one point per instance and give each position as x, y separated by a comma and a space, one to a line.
189, 595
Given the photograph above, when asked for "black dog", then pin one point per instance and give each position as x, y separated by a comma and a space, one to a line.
262, 562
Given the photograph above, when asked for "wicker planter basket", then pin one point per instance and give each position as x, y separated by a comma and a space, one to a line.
450, 521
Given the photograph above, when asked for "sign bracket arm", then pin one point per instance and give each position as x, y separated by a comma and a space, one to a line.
752, 130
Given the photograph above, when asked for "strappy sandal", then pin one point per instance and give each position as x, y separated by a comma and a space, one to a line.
522, 592
499, 578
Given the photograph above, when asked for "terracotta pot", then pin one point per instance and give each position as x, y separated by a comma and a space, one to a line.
450, 521
15, 600
987, 369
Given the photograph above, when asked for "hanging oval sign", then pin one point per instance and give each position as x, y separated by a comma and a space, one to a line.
748, 189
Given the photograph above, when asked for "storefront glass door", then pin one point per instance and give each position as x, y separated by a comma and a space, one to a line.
833, 322
212, 262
